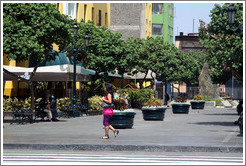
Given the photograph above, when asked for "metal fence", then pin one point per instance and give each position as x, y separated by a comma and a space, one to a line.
235, 93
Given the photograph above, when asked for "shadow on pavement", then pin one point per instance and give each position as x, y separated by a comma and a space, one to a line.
224, 114
215, 123
25, 122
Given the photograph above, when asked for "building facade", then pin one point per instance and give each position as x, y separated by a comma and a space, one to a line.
189, 42
131, 19
163, 20
97, 12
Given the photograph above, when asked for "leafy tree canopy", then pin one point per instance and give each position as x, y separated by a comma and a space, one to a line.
31, 29
104, 47
225, 47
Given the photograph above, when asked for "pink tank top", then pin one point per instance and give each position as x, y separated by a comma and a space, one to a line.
107, 111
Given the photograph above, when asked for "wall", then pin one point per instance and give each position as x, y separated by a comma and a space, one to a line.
167, 20
131, 19
188, 42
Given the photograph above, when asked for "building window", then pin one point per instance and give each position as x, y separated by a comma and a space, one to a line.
100, 18
93, 14
156, 29
157, 8
85, 11
171, 11
106, 19
70, 9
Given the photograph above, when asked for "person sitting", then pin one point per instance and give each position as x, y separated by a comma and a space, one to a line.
116, 94
125, 96
45, 104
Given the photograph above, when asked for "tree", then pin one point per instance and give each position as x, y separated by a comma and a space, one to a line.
193, 62
104, 49
30, 30
137, 57
225, 47
124, 62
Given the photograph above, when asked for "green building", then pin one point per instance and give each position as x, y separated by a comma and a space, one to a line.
163, 20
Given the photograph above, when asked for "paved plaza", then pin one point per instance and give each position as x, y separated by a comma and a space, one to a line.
208, 130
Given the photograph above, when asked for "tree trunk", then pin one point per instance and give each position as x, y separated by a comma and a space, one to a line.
142, 81
152, 82
93, 85
30, 83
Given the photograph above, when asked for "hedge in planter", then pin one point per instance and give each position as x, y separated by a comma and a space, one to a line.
197, 102
123, 119
152, 110
180, 106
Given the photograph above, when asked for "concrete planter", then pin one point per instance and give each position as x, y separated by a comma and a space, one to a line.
153, 113
122, 120
180, 108
197, 104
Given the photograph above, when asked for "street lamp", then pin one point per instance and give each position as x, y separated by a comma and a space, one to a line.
231, 16
75, 52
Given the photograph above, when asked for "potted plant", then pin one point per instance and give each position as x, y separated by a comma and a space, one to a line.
122, 117
152, 110
197, 102
180, 106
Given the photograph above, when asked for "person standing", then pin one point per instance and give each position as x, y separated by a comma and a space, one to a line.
53, 102
108, 112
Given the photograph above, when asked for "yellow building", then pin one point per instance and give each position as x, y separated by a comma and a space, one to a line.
98, 12
148, 20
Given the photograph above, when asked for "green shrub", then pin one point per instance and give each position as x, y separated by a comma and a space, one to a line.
139, 97
62, 102
218, 102
95, 103
7, 104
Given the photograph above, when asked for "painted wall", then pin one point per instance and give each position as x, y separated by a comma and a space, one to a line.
166, 18
148, 20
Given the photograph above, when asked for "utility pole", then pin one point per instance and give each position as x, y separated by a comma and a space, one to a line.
193, 24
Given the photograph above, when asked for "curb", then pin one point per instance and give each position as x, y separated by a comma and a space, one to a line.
147, 148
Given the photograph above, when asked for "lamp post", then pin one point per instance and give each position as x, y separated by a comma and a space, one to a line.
231, 16
75, 52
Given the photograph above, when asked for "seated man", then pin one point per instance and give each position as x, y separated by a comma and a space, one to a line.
45, 104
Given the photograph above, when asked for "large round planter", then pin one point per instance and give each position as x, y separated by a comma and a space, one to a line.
153, 113
122, 120
180, 108
197, 104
